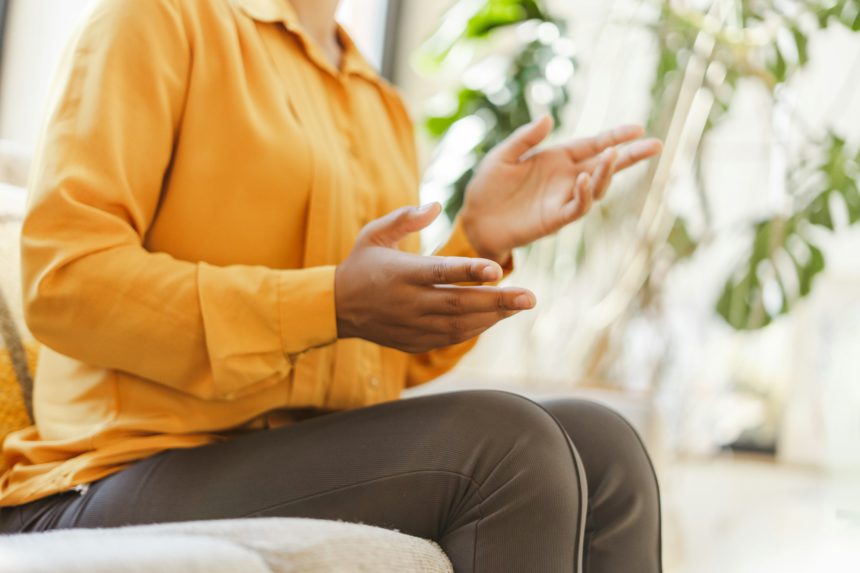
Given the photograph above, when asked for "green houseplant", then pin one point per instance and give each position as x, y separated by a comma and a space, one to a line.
703, 55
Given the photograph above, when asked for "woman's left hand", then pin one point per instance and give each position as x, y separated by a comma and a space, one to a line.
520, 194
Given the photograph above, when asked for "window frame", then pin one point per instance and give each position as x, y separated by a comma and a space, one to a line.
4, 10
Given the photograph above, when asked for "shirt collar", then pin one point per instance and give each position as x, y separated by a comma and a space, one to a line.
282, 11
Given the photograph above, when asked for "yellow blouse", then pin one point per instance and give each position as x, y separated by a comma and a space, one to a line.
202, 173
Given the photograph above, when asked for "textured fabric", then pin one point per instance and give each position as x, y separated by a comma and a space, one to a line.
202, 173
13, 409
18, 351
249, 546
494, 478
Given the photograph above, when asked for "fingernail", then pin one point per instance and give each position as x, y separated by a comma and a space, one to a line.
523, 301
425, 208
490, 273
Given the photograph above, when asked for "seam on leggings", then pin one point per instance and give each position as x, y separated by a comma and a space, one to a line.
582, 496
588, 536
482, 499
365, 482
653, 472
481, 513
499, 463
478, 487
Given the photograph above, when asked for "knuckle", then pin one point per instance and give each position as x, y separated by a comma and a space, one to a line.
456, 326
453, 301
439, 271
365, 233
401, 214
436, 326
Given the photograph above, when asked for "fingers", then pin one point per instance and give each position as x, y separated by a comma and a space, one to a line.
629, 155
580, 201
582, 149
459, 328
524, 139
590, 188
390, 229
602, 175
636, 152
453, 324
450, 270
453, 300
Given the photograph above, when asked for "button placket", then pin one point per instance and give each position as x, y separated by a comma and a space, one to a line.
346, 126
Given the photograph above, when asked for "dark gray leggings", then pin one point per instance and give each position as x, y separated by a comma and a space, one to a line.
501, 483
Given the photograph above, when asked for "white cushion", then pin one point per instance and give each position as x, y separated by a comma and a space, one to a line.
133, 554
276, 545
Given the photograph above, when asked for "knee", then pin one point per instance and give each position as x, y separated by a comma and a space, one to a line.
505, 417
613, 453
511, 430
523, 476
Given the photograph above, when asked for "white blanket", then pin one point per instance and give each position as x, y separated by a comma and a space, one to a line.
261, 545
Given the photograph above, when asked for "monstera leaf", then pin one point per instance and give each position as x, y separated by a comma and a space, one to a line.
779, 270
783, 262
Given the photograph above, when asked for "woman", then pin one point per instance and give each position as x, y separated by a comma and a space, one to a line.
219, 259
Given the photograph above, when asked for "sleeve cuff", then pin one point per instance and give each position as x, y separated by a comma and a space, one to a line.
307, 309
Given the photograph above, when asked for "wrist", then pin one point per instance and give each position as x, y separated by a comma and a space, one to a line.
470, 222
345, 326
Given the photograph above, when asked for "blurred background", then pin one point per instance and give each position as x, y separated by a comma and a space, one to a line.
713, 297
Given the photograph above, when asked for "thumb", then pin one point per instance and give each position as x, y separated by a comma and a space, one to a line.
524, 139
392, 228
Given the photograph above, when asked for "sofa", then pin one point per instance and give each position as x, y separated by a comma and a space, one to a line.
270, 545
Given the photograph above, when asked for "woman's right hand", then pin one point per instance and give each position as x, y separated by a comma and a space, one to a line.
410, 302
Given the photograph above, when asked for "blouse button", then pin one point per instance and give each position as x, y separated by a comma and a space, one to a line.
374, 381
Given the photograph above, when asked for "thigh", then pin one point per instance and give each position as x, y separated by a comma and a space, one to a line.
489, 475
388, 465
